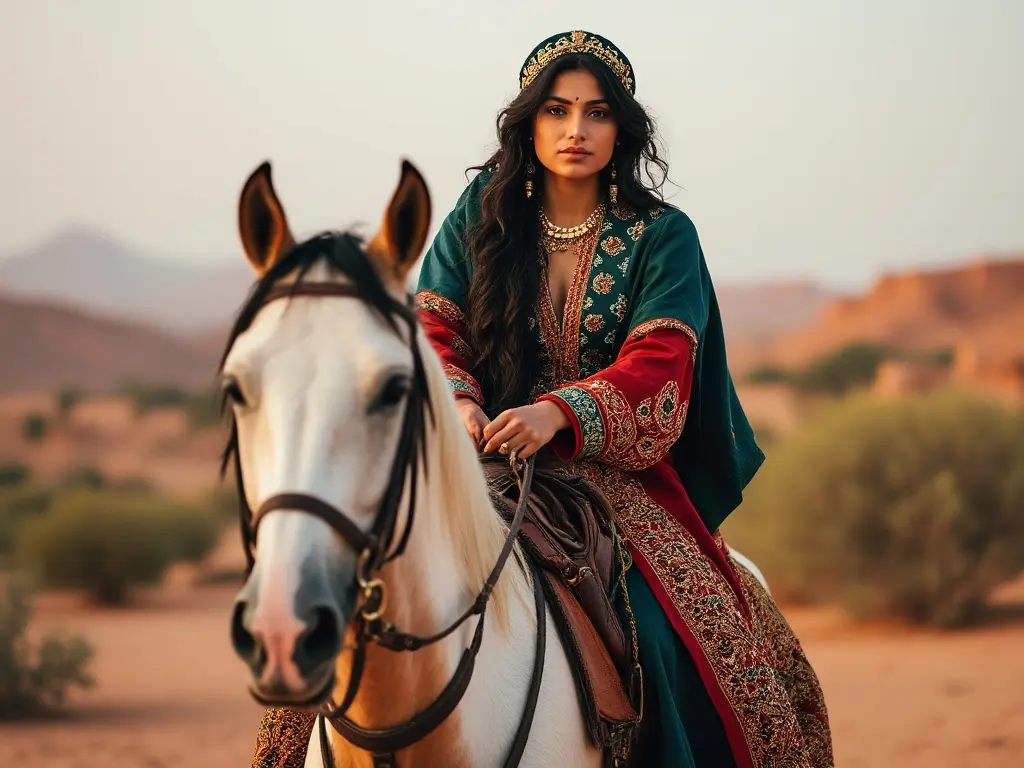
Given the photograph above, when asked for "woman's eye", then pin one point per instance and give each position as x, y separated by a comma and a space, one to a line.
556, 111
599, 114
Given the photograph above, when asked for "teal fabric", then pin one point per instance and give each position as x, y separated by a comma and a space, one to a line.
666, 277
681, 727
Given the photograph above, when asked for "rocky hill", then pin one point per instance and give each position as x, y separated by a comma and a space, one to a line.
979, 304
46, 346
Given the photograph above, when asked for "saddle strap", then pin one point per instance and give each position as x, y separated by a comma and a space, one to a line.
611, 716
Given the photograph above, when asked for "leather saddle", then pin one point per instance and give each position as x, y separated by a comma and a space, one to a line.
568, 531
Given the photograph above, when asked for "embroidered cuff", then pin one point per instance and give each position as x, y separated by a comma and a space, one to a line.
463, 385
584, 413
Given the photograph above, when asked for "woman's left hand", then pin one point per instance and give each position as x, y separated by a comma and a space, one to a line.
525, 430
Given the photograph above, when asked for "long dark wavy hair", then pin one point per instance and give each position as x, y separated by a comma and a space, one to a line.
504, 242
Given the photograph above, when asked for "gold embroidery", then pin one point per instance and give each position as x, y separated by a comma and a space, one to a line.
620, 307
441, 306
791, 666
578, 41
636, 230
741, 657
563, 343
667, 410
639, 439
663, 323
282, 738
623, 212
619, 426
593, 323
613, 245
461, 381
574, 306
603, 283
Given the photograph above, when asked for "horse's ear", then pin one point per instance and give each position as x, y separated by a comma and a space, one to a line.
261, 221
403, 233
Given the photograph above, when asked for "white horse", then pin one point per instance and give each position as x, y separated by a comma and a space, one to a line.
321, 384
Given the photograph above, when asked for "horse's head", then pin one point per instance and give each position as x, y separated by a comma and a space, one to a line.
327, 391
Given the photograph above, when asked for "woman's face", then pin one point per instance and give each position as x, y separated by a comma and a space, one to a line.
574, 131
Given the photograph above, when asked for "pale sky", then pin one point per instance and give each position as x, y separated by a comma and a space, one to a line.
824, 139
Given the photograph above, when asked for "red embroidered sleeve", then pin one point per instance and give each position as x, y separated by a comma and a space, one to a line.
445, 326
631, 413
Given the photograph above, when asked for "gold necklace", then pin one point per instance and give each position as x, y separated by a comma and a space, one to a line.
560, 238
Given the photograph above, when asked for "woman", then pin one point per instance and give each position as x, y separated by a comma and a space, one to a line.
572, 307
573, 311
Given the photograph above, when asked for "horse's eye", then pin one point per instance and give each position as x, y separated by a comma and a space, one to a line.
392, 393
230, 387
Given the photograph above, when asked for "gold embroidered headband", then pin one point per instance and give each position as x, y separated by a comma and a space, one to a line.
577, 42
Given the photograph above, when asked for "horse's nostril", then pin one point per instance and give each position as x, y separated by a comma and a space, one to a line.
244, 642
320, 643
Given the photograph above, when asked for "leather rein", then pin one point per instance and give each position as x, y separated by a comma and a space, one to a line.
378, 546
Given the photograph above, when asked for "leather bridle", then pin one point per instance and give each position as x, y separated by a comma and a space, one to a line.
378, 546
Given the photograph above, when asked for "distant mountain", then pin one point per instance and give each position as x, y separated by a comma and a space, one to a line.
92, 271
45, 346
978, 304
764, 310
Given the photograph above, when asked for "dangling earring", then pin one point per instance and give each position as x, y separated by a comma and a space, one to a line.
613, 188
529, 178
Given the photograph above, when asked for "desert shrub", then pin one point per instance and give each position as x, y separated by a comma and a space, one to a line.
101, 543
224, 501
842, 371
67, 399
14, 474
912, 507
147, 397
106, 542
204, 409
18, 504
83, 477
35, 679
34, 427
768, 374
192, 530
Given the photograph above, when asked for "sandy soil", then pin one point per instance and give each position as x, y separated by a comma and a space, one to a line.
172, 694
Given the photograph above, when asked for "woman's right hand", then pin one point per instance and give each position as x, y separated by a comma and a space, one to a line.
474, 419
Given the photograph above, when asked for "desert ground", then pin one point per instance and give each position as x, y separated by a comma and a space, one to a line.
171, 693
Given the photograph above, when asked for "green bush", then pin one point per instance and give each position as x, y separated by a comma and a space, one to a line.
18, 504
105, 542
147, 397
34, 427
67, 399
14, 474
842, 371
224, 502
83, 477
100, 543
35, 681
192, 530
204, 409
768, 374
913, 507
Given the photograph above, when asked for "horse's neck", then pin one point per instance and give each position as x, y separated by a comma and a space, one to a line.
427, 592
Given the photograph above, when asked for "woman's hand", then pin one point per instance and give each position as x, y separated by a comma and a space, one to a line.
473, 418
525, 430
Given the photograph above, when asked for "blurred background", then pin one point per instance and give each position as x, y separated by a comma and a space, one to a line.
854, 171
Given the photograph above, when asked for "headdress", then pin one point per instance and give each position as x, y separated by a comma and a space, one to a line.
577, 42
